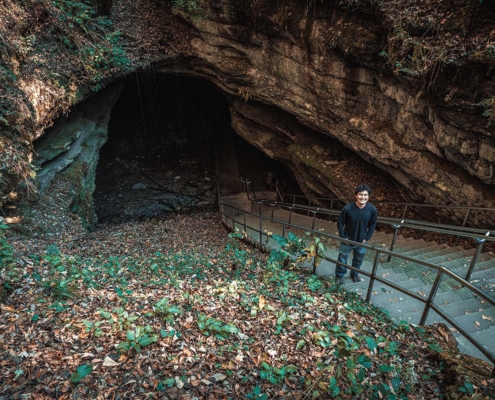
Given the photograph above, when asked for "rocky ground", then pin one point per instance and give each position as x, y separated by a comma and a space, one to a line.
134, 188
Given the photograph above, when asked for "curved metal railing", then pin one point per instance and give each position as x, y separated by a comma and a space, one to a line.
480, 236
286, 197
229, 213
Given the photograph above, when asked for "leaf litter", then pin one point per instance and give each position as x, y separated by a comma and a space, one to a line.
174, 307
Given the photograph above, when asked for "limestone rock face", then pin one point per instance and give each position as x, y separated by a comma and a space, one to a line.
324, 71
67, 156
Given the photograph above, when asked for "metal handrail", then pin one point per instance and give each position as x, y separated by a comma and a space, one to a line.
473, 233
460, 232
393, 203
429, 302
405, 204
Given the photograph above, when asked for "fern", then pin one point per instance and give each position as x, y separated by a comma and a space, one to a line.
489, 106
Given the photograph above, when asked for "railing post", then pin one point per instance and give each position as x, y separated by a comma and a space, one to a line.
273, 208
372, 277
314, 218
243, 184
314, 261
466, 217
283, 230
290, 214
309, 205
405, 212
260, 203
475, 258
463, 223
248, 181
261, 230
431, 296
394, 239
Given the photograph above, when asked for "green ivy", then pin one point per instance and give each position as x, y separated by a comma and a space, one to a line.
191, 6
100, 51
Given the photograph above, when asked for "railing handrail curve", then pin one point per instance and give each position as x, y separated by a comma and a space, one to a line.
447, 206
454, 230
428, 302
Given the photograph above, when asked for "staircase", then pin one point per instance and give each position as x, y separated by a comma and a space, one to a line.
474, 315
471, 313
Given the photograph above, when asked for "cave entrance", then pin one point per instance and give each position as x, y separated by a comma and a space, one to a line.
160, 152
159, 156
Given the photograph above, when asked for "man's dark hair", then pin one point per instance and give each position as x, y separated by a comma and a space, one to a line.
362, 188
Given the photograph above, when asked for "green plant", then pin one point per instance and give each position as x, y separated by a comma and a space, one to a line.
58, 283
61, 290
489, 108
467, 388
296, 249
90, 37
256, 394
81, 372
166, 311
137, 338
191, 6
282, 319
209, 325
8, 272
275, 375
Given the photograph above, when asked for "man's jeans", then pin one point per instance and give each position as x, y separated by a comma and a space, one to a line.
357, 259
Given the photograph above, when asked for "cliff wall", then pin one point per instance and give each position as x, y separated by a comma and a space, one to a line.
396, 84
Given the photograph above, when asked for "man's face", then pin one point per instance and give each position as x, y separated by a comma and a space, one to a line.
362, 197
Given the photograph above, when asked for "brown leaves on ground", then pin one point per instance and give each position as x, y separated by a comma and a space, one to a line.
154, 309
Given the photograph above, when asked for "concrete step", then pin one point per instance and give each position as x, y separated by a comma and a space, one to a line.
441, 251
466, 347
450, 297
418, 244
468, 306
450, 261
477, 321
414, 251
471, 322
486, 337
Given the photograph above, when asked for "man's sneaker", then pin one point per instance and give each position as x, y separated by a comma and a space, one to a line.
339, 280
356, 278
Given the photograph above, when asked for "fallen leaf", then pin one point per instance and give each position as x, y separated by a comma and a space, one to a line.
108, 362
261, 303
219, 377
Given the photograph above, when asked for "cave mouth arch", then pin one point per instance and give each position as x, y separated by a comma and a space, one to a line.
160, 153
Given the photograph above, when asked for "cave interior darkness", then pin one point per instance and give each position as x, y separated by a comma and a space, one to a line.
160, 152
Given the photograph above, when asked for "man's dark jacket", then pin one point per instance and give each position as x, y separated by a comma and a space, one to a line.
356, 223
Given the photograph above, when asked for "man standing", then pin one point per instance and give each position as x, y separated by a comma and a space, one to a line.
357, 222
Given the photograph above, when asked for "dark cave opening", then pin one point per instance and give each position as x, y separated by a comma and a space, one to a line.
160, 152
